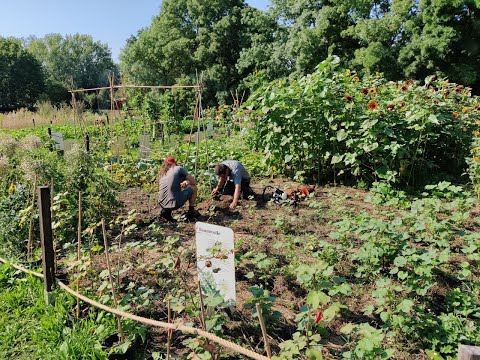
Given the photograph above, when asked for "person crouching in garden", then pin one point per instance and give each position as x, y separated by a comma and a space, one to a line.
172, 179
233, 179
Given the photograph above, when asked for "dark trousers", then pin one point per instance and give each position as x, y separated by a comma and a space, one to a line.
245, 191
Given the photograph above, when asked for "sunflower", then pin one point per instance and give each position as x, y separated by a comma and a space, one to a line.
364, 91
409, 82
459, 88
347, 72
455, 114
356, 78
348, 98
404, 88
402, 104
446, 93
372, 90
373, 105
390, 107
478, 107
465, 109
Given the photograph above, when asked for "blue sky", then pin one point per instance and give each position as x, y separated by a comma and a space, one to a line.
108, 21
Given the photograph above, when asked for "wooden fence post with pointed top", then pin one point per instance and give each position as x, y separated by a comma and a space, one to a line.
46, 239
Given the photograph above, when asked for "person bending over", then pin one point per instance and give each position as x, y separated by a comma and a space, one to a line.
172, 179
233, 179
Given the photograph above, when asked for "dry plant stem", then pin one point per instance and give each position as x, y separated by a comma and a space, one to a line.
264, 330
105, 242
169, 331
30, 228
79, 244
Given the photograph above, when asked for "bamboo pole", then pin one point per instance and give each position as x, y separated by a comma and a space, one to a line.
79, 248
169, 331
105, 242
30, 228
136, 87
264, 330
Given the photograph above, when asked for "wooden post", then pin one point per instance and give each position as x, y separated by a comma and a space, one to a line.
264, 330
33, 120
46, 239
169, 331
30, 227
87, 143
467, 352
105, 242
50, 136
79, 247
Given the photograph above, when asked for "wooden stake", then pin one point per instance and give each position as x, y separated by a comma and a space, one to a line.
46, 240
264, 330
79, 247
30, 228
105, 242
169, 331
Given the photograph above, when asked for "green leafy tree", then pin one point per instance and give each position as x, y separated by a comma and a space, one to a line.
188, 38
76, 58
21, 77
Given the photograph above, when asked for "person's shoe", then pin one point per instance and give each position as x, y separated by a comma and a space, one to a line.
193, 214
167, 215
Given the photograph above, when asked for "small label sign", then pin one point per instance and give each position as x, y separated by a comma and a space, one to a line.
215, 261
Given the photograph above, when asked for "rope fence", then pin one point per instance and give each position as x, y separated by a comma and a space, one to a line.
180, 327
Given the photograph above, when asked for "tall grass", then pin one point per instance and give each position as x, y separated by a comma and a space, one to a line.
45, 114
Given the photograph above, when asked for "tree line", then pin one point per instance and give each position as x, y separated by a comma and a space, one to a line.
235, 46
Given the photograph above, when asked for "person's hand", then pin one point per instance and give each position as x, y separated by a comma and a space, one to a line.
214, 191
233, 205
184, 183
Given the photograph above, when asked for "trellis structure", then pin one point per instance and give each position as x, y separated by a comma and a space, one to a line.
197, 115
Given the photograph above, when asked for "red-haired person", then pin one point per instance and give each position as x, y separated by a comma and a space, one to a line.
175, 187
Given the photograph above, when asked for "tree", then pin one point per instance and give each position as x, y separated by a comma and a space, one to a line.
186, 38
76, 58
21, 77
444, 37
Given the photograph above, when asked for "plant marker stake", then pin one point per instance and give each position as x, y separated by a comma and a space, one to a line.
105, 242
79, 240
204, 327
466, 352
46, 240
30, 228
264, 331
169, 331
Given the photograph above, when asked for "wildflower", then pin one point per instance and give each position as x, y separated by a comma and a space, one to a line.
455, 114
446, 93
390, 107
356, 78
404, 88
459, 88
11, 189
402, 104
475, 158
465, 109
347, 72
409, 82
476, 133
372, 91
31, 142
372, 105
364, 91
348, 98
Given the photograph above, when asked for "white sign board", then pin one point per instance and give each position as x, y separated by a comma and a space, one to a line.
144, 146
119, 144
57, 137
216, 261
68, 145
210, 130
